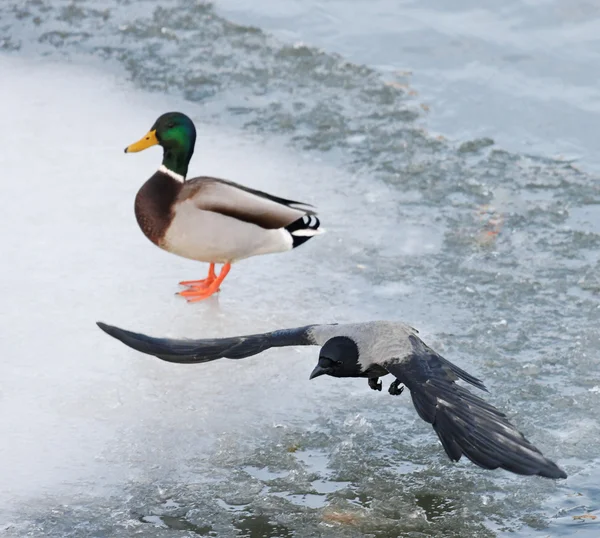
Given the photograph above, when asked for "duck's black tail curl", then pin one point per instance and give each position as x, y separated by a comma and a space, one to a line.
303, 229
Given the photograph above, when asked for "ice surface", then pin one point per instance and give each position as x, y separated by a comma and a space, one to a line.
99, 440
82, 413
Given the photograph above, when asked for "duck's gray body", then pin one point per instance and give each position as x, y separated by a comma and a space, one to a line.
217, 221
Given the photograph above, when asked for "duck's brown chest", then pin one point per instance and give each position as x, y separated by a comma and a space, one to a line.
154, 206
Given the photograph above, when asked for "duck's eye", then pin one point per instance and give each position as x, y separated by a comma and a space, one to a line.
170, 125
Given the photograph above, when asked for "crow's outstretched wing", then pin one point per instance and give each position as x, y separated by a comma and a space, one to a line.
465, 423
209, 349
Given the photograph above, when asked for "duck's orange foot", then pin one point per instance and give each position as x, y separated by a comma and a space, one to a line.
205, 282
200, 292
195, 294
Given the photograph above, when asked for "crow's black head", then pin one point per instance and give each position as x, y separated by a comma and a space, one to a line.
338, 358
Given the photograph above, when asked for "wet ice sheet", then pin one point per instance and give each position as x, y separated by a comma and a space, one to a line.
86, 417
103, 440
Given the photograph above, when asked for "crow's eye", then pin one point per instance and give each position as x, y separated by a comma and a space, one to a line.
339, 363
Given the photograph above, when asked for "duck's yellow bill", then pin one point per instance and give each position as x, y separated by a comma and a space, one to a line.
143, 143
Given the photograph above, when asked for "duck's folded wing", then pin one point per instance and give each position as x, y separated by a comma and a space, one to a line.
465, 423
209, 349
242, 203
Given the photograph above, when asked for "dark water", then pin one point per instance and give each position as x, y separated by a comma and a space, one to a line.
494, 253
520, 72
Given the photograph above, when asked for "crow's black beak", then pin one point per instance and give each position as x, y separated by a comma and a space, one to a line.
319, 370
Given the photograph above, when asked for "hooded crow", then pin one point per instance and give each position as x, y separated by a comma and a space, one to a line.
465, 424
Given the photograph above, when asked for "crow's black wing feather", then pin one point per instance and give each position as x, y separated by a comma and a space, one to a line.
209, 349
466, 424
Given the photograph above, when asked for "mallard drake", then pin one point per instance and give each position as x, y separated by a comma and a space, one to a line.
208, 219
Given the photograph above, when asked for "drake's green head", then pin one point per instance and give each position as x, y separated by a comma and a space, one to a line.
176, 133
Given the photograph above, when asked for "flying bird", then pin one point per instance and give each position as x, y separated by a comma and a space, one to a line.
208, 219
465, 424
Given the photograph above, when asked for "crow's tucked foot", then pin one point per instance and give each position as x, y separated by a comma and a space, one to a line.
396, 388
374, 383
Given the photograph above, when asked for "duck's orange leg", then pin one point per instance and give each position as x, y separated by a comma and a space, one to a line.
204, 282
195, 294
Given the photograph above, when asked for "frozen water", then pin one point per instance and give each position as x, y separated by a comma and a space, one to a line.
493, 256
85, 416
